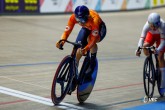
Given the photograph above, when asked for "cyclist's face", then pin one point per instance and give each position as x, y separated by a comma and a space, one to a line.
82, 20
153, 27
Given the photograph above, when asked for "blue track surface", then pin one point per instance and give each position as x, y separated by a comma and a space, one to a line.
150, 106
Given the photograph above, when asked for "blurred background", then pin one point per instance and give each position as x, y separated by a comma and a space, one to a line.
65, 6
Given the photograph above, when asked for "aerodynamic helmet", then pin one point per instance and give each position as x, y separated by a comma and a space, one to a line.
81, 13
154, 19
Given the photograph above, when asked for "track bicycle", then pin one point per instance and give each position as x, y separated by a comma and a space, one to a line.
67, 78
151, 73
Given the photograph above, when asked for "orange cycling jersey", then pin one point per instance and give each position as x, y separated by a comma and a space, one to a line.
93, 24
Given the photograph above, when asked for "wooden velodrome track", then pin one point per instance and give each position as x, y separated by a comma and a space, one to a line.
29, 58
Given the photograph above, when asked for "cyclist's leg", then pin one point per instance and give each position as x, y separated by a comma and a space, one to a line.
93, 56
90, 69
78, 57
162, 70
161, 64
82, 37
102, 33
161, 53
93, 50
161, 60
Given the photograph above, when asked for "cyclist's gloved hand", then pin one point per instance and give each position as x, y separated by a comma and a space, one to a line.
60, 44
138, 52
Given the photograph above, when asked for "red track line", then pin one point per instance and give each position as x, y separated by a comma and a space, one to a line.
117, 87
12, 102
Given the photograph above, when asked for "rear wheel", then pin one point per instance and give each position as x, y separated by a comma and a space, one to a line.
62, 80
84, 88
149, 77
86, 64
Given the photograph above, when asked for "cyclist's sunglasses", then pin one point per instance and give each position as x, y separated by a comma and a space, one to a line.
81, 19
155, 25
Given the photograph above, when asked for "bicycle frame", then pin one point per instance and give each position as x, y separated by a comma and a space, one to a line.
73, 56
68, 77
151, 57
154, 68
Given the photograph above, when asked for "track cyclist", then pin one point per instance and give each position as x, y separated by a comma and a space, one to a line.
93, 31
154, 32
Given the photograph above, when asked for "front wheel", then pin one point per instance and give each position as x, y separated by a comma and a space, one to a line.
149, 77
62, 80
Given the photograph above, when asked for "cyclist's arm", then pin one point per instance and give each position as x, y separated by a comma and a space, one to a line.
143, 34
94, 36
162, 36
69, 27
162, 45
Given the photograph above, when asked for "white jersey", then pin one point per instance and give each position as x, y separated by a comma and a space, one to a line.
160, 30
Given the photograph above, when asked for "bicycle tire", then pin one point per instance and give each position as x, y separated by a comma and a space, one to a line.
85, 65
158, 82
149, 77
63, 74
84, 93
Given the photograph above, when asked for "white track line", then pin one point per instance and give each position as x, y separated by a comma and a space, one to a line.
35, 98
